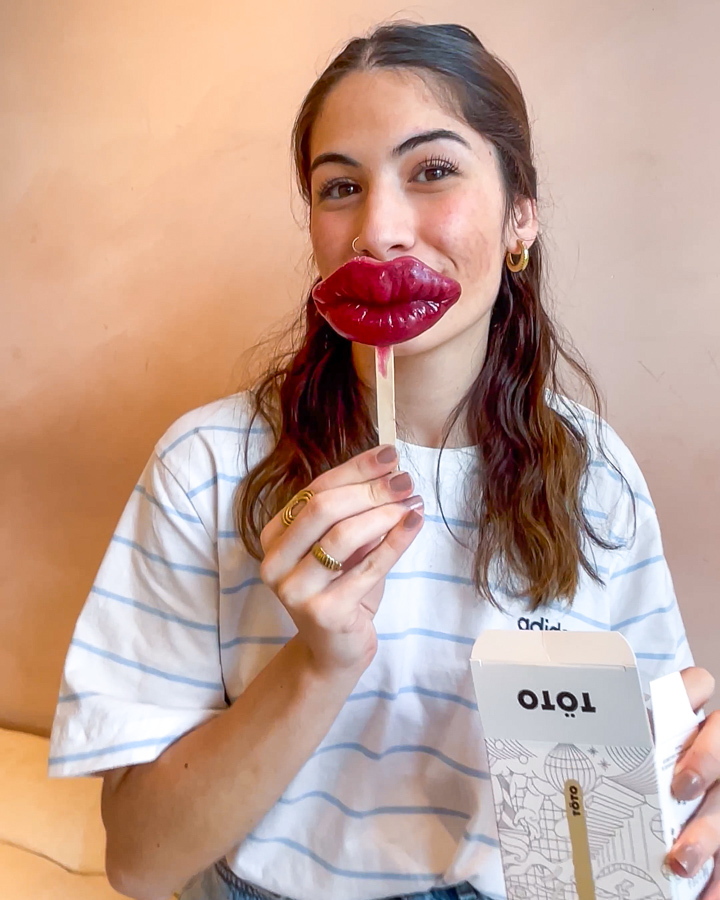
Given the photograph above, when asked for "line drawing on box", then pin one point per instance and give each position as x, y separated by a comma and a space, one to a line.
622, 813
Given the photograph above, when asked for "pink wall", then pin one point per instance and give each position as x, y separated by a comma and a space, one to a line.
147, 238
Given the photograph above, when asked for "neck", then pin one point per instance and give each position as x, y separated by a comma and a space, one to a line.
429, 385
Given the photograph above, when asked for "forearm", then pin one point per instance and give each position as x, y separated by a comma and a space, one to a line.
169, 819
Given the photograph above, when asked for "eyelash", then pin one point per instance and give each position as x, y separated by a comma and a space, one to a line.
436, 162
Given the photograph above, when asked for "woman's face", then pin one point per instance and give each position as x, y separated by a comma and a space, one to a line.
440, 200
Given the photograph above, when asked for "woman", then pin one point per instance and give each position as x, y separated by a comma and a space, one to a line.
295, 700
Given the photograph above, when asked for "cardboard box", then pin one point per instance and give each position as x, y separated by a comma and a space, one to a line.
580, 782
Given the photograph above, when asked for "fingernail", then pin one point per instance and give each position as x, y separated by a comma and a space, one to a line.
687, 785
400, 483
415, 502
412, 520
386, 454
667, 870
686, 860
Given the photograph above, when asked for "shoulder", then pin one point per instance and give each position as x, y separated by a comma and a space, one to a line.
222, 436
615, 490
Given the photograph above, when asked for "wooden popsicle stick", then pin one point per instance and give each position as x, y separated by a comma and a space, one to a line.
385, 394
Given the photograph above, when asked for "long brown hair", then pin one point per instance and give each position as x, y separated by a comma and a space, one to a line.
532, 531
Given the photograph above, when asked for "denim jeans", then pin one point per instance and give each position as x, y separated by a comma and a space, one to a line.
221, 883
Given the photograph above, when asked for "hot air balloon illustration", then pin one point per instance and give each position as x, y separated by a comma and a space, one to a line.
564, 762
638, 768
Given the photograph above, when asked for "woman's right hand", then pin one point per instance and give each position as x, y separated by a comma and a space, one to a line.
362, 513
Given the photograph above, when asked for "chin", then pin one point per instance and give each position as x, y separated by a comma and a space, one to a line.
424, 343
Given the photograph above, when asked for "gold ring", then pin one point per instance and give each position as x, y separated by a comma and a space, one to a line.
325, 559
288, 516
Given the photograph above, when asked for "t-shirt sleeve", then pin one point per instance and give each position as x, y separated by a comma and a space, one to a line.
143, 667
643, 604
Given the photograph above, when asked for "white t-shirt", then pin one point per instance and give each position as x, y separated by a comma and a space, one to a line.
396, 799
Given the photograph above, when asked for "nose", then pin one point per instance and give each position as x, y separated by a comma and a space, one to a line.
386, 223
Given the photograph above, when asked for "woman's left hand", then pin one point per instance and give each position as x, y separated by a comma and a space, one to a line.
698, 773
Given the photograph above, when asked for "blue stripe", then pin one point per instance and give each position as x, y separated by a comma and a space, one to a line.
461, 523
121, 660
199, 428
661, 610
404, 748
240, 587
656, 655
682, 640
595, 513
71, 698
274, 641
390, 636
188, 623
426, 632
458, 523
600, 464
431, 576
228, 534
117, 748
379, 811
571, 614
605, 626
392, 576
481, 839
640, 565
233, 479
603, 464
643, 499
180, 567
196, 520
345, 873
413, 689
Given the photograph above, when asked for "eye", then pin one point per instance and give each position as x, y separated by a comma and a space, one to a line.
437, 167
438, 164
329, 186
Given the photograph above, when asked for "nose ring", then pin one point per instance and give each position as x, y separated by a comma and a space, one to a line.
357, 252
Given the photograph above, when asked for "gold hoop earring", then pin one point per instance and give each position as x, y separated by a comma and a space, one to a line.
518, 265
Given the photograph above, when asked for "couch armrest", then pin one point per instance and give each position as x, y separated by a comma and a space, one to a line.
58, 819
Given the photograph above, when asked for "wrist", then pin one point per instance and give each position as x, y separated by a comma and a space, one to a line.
319, 673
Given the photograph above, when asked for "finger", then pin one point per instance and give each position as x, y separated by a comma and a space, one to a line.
712, 888
321, 513
354, 586
328, 508
699, 766
366, 466
309, 577
699, 840
699, 685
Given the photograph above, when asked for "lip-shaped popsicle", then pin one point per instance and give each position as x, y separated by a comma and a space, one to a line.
384, 303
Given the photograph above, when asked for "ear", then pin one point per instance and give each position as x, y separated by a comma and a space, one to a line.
523, 224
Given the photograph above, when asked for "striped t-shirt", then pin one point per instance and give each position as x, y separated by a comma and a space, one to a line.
396, 799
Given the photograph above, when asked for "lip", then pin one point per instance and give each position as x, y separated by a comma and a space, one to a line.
384, 303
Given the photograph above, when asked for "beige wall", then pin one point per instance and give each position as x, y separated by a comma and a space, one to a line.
147, 236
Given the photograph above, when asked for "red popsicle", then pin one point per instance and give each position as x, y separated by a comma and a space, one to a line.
384, 303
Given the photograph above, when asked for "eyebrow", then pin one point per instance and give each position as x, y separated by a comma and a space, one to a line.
415, 141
